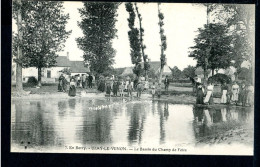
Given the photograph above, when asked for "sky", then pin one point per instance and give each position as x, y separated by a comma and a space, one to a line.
181, 24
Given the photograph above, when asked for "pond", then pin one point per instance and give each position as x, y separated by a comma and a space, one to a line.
54, 124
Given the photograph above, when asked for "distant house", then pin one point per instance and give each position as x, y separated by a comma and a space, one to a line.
52, 74
154, 66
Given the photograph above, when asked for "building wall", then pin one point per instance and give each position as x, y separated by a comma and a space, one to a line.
48, 74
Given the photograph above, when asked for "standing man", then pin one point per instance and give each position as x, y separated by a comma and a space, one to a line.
166, 83
90, 79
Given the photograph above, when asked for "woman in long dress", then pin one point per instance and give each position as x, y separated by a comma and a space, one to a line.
115, 88
224, 89
200, 94
235, 92
209, 97
61, 82
72, 89
108, 88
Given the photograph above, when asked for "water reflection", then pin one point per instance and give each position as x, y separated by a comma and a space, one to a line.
137, 119
131, 122
208, 121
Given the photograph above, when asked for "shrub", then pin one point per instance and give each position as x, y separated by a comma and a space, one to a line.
32, 81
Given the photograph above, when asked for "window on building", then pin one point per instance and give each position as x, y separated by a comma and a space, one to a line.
48, 74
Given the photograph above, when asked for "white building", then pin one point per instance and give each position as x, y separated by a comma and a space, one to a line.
51, 75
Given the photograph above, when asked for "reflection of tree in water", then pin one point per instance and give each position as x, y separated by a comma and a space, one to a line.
31, 128
137, 118
163, 113
166, 110
97, 127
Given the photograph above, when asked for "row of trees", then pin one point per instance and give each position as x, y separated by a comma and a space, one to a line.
228, 41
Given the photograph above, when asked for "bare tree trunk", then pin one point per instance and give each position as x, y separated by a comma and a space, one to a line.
19, 76
39, 76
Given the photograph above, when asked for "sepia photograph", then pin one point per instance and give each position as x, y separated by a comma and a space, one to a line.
132, 78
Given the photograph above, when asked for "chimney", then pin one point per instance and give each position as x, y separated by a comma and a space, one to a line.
68, 56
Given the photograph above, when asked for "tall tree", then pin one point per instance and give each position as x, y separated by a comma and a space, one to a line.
218, 53
240, 19
98, 26
145, 57
163, 43
135, 45
43, 34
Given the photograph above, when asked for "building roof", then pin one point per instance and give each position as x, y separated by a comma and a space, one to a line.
62, 61
75, 66
127, 70
78, 67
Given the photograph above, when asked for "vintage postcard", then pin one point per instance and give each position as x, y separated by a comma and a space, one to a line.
132, 78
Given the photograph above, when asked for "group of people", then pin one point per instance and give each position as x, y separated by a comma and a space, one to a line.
230, 93
69, 83
117, 87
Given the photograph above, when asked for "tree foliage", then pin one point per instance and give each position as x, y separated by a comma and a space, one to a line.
145, 57
189, 71
98, 26
214, 43
135, 45
176, 73
240, 20
163, 41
